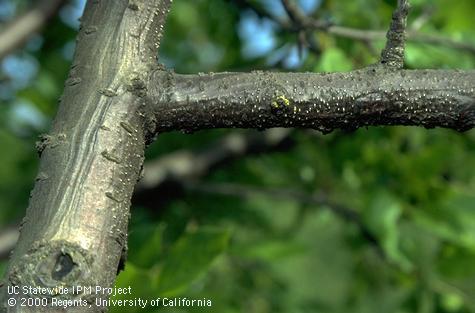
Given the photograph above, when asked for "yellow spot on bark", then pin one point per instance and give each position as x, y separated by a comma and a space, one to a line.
280, 101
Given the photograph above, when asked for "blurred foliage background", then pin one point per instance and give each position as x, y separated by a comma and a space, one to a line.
376, 220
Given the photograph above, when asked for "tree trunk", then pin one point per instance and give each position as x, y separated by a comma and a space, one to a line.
116, 99
75, 229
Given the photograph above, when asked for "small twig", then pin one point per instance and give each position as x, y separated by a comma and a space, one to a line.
368, 35
393, 53
413, 36
259, 10
15, 34
440, 41
295, 14
299, 21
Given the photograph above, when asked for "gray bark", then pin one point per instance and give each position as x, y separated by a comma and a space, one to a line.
377, 95
116, 99
75, 229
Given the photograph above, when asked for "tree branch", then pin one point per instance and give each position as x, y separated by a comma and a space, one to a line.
16, 33
393, 52
374, 96
297, 17
413, 36
309, 23
75, 230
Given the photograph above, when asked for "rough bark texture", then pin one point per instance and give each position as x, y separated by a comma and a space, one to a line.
393, 53
75, 229
116, 98
377, 95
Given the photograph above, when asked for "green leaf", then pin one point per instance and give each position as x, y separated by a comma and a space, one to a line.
191, 256
271, 250
382, 218
149, 240
452, 302
140, 281
452, 220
